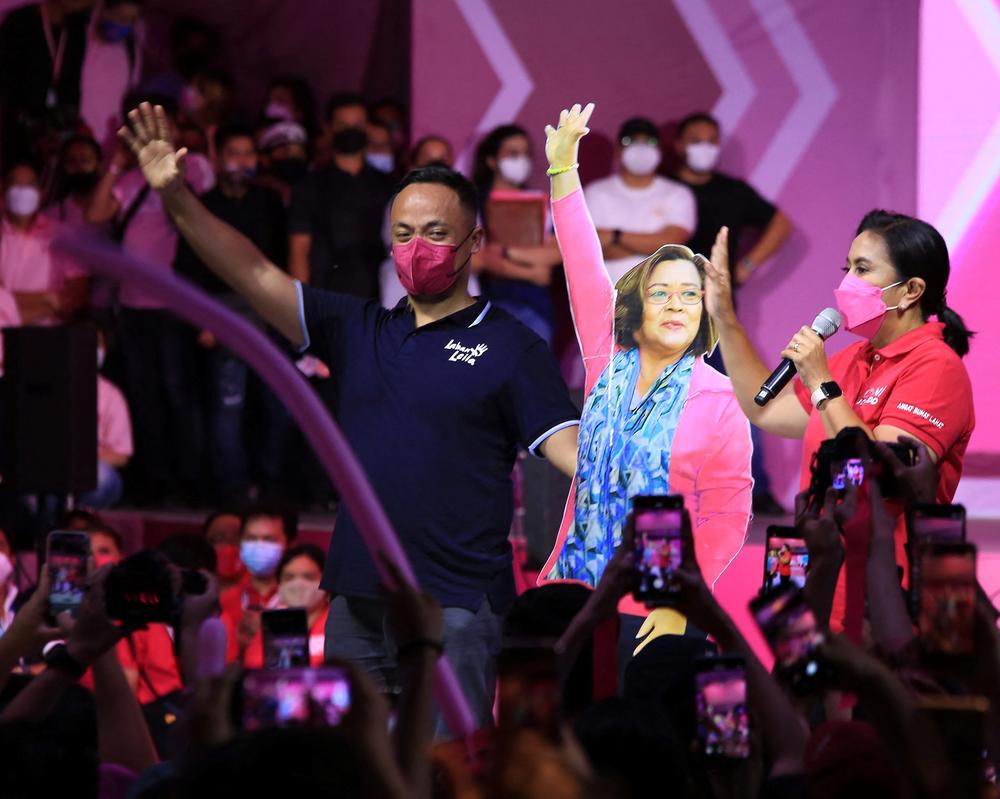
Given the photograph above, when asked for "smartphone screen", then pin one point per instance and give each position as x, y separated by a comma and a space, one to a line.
947, 598
529, 686
658, 551
66, 560
723, 722
941, 523
845, 472
786, 559
927, 524
301, 696
285, 636
790, 628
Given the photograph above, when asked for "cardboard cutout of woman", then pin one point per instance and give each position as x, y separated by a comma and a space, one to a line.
658, 419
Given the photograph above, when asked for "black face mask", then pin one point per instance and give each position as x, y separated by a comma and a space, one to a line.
80, 182
288, 170
350, 141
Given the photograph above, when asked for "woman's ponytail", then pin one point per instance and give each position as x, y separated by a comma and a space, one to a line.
956, 334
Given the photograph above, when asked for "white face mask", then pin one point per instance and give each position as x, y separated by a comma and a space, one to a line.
702, 156
641, 158
515, 169
6, 567
383, 162
300, 593
275, 110
23, 200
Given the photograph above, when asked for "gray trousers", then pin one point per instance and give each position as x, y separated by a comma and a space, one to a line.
356, 631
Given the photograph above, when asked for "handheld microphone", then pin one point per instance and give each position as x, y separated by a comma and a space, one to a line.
826, 323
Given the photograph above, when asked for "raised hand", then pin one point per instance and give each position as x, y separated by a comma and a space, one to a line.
718, 282
149, 139
563, 142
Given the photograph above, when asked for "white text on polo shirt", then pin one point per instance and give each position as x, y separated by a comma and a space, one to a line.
921, 413
465, 354
871, 396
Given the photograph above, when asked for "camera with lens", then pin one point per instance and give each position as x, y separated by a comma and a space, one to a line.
146, 588
849, 460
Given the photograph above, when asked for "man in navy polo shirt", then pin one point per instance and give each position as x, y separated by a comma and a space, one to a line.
434, 396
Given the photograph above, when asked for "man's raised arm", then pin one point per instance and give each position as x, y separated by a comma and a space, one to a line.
225, 251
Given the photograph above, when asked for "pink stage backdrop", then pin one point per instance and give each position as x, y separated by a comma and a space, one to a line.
959, 189
818, 104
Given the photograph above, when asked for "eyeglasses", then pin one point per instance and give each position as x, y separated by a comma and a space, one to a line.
688, 296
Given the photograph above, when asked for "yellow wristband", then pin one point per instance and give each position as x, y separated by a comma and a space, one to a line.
559, 170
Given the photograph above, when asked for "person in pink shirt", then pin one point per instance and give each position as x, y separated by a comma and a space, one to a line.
658, 419
159, 350
47, 288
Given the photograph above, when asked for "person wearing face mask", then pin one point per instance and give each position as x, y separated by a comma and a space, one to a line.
429, 151
112, 65
290, 98
904, 380
434, 396
265, 535
47, 288
284, 157
299, 575
516, 278
221, 529
257, 212
335, 218
729, 202
725, 201
378, 152
637, 210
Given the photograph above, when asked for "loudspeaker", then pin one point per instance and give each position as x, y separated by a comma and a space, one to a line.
48, 420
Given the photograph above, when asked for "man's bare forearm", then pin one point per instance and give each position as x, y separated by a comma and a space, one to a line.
237, 261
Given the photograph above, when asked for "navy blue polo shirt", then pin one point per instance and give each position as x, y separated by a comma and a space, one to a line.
435, 414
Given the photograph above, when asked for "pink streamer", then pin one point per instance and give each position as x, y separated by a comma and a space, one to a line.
305, 407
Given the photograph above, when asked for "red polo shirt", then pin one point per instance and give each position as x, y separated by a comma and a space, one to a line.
233, 601
918, 384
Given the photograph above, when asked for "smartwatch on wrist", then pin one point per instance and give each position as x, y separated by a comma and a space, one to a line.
59, 658
826, 392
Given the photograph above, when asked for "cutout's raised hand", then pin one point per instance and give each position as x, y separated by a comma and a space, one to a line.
563, 142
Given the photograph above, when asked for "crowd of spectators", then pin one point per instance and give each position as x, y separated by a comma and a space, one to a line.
167, 710
308, 183
91, 705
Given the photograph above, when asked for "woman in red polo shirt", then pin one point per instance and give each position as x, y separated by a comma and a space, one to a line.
904, 378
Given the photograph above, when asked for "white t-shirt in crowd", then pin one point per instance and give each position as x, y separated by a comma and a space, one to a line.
616, 206
151, 234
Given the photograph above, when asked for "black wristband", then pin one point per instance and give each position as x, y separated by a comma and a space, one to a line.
59, 659
419, 643
616, 237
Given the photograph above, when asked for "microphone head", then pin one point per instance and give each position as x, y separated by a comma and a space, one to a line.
827, 322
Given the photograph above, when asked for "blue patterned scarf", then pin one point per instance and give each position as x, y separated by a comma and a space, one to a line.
623, 452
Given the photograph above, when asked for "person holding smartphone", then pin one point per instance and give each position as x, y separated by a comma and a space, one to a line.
905, 378
658, 419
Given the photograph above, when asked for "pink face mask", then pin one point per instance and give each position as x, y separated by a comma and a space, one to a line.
862, 305
426, 269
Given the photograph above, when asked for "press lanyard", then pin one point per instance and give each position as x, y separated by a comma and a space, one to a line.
56, 53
